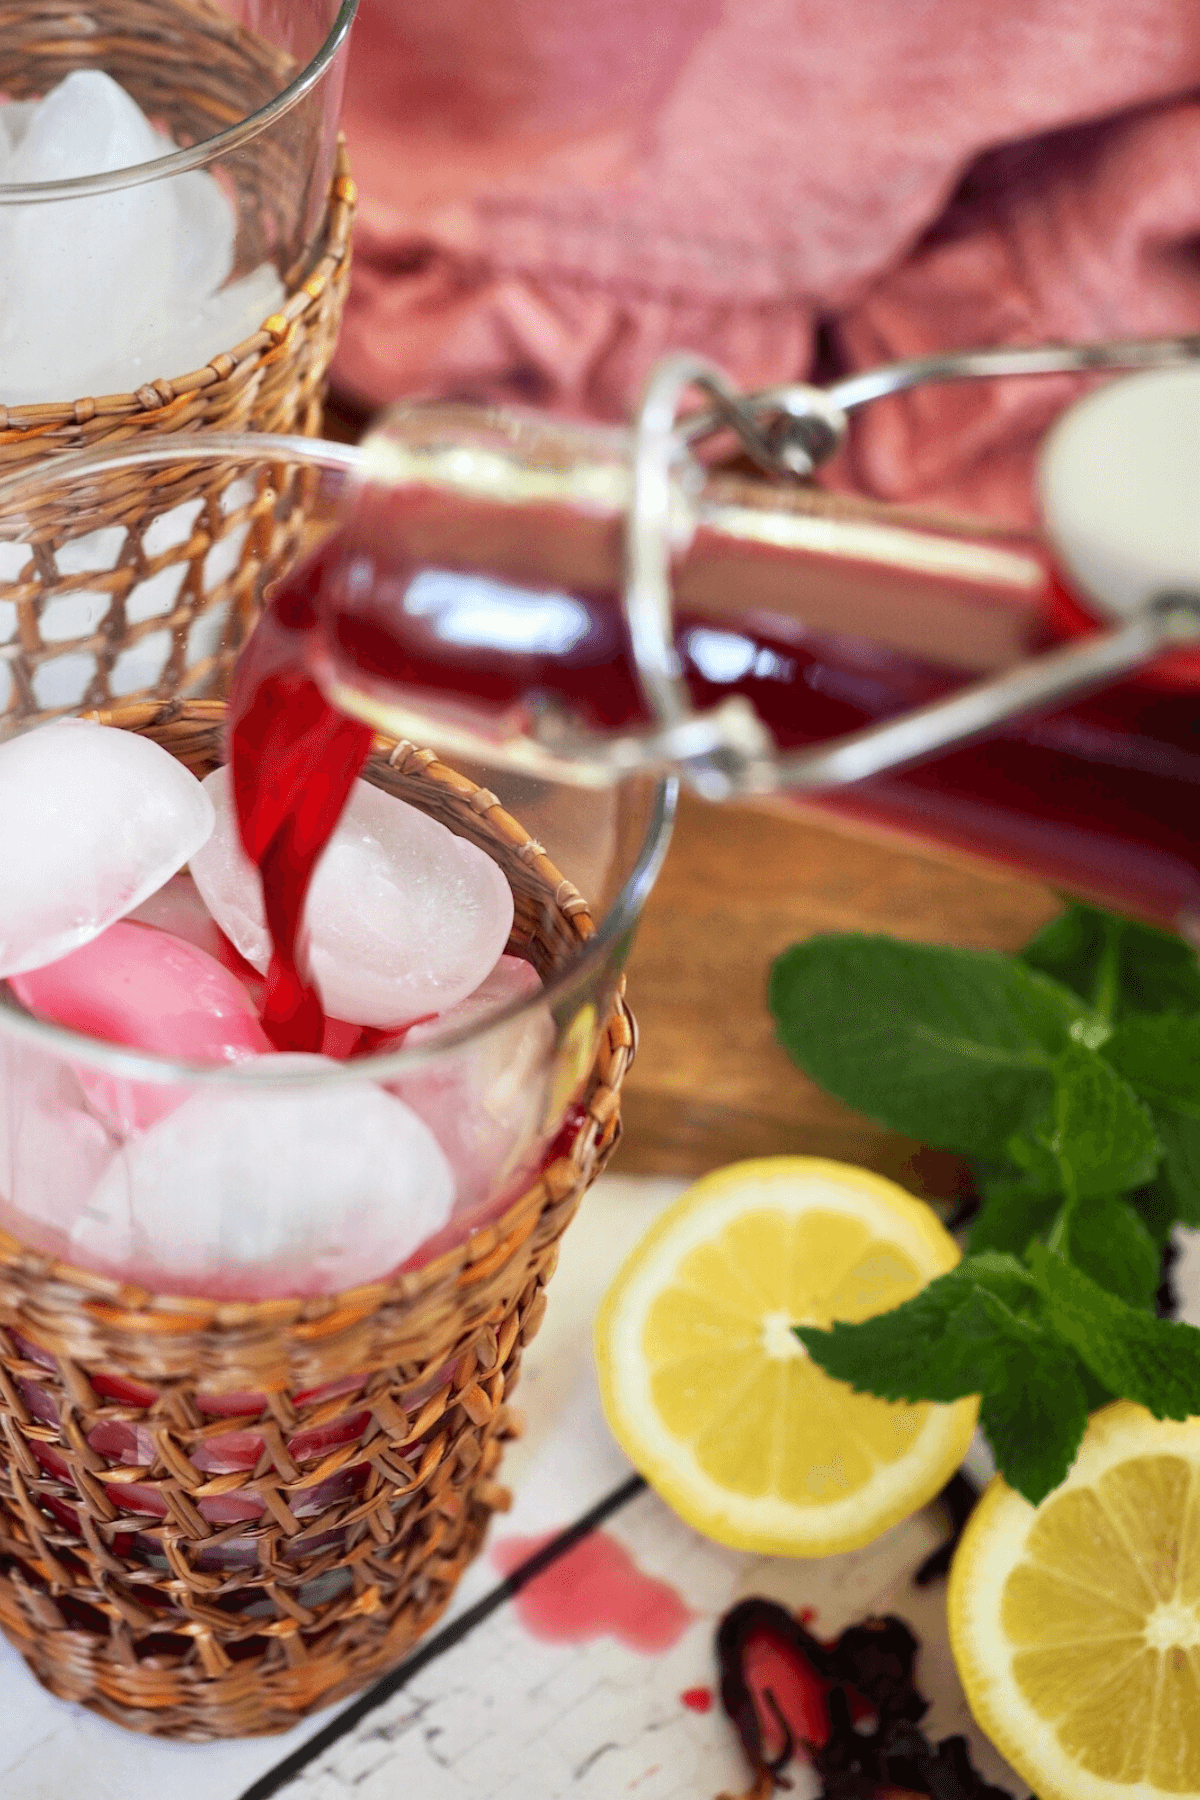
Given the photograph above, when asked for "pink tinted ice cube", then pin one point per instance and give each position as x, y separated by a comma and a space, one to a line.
179, 909
149, 989
511, 980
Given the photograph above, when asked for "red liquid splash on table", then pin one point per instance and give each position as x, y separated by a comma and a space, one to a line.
595, 1590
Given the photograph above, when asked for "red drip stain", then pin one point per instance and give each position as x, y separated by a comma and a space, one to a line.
595, 1590
697, 1699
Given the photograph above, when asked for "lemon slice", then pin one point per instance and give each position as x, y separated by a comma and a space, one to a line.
1076, 1624
712, 1397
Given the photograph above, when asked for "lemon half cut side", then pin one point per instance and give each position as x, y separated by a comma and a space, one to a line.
1076, 1624
714, 1399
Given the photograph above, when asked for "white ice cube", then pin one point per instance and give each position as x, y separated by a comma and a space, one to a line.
207, 228
404, 918
109, 292
93, 821
204, 326
266, 1191
52, 1150
78, 276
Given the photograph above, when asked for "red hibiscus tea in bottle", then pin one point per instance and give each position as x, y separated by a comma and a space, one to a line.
472, 599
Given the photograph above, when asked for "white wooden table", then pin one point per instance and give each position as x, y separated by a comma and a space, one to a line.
487, 1708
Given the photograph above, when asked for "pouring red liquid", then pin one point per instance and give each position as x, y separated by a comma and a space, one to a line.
293, 761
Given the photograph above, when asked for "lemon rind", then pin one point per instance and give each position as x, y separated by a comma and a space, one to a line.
772, 1525
991, 1547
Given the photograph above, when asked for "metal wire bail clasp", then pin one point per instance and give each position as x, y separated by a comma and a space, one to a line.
726, 750
788, 431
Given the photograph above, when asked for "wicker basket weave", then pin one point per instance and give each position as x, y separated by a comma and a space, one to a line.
380, 1413
166, 601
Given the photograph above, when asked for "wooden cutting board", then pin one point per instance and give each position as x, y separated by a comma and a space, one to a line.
740, 884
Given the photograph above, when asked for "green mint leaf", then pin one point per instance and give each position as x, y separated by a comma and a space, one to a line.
1120, 967
1160, 1058
945, 1342
1153, 1361
905, 1354
1002, 1275
1156, 1205
1180, 1175
1097, 1394
1014, 1209
954, 1047
1107, 1238
1095, 1136
1036, 1421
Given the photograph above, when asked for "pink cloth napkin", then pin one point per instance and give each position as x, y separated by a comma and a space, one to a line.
555, 193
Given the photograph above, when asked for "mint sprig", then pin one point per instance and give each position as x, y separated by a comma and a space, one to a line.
955, 1047
1071, 1077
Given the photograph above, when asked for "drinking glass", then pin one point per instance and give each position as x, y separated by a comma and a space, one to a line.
240, 1345
250, 93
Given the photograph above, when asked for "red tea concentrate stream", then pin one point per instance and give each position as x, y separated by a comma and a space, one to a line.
293, 761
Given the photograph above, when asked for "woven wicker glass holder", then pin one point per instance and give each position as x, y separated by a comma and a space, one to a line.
174, 564
134, 1616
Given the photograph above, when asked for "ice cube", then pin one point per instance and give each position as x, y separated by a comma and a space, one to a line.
52, 1151
92, 553
105, 293
94, 821
146, 988
202, 327
73, 615
207, 228
70, 269
485, 1101
171, 528
207, 632
177, 907
511, 980
405, 919
63, 680
141, 665
256, 1191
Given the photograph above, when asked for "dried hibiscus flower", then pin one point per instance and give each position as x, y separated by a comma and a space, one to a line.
850, 1706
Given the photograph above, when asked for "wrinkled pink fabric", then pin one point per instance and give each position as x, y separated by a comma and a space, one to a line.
553, 194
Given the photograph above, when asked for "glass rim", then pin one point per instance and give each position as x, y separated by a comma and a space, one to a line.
193, 156
144, 1065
